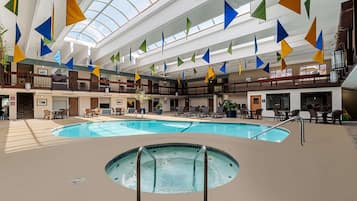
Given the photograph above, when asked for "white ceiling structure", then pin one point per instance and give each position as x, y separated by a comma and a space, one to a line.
118, 25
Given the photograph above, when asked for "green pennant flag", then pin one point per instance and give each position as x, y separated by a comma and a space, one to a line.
143, 46
48, 42
112, 58
152, 68
260, 11
117, 57
179, 61
188, 26
230, 48
278, 56
193, 58
194, 71
13, 6
307, 7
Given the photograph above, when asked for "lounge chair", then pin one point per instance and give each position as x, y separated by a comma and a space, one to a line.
118, 111
244, 113
220, 113
278, 115
47, 114
258, 113
337, 114
191, 112
88, 112
313, 114
179, 111
294, 113
205, 112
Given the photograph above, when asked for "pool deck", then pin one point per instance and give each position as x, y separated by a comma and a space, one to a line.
37, 166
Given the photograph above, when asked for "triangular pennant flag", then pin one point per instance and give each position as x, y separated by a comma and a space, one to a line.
230, 48
278, 56
162, 42
152, 68
260, 11
194, 71
117, 57
13, 6
57, 57
69, 64
18, 54
206, 78
258, 62
281, 32
240, 68
311, 35
211, 74
285, 49
45, 29
112, 58
165, 67
44, 49
18, 34
229, 14
223, 68
143, 46
320, 42
294, 5
137, 75
96, 71
74, 13
283, 64
307, 7
179, 61
130, 57
319, 57
206, 56
267, 68
193, 58
188, 26
90, 66
255, 45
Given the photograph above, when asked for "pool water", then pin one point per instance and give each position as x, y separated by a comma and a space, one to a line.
174, 169
144, 127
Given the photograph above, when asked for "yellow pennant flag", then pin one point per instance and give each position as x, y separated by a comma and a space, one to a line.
285, 49
294, 5
240, 68
283, 64
137, 76
18, 54
211, 74
74, 13
319, 57
96, 71
311, 35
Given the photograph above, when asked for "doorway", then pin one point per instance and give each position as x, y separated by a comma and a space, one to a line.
210, 104
73, 77
4, 107
150, 105
94, 102
73, 107
25, 106
24, 72
255, 102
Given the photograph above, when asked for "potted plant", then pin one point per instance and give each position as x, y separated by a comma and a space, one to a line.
158, 108
230, 108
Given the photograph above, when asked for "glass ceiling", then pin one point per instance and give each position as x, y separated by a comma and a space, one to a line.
105, 17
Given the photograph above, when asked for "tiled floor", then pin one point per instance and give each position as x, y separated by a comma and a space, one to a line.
37, 166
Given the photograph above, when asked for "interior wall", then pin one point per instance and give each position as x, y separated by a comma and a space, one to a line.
349, 98
198, 102
83, 104
38, 108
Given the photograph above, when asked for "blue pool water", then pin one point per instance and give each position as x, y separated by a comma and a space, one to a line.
144, 127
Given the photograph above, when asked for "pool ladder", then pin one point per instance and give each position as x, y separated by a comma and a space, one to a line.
138, 171
297, 118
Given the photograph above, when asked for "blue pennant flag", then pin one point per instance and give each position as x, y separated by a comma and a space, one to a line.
281, 32
259, 62
206, 57
162, 42
255, 45
267, 68
165, 67
18, 34
44, 49
223, 68
57, 57
320, 42
45, 29
90, 66
69, 64
229, 14
130, 55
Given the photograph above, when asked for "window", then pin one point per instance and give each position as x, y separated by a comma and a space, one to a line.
278, 101
321, 101
131, 102
312, 70
281, 73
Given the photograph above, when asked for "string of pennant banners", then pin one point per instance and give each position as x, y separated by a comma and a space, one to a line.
74, 14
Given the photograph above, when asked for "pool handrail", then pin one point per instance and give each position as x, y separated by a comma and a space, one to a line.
297, 118
205, 175
138, 171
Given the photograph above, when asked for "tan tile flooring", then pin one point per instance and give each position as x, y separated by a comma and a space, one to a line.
37, 166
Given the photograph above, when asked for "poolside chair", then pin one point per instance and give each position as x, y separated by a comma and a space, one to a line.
64, 113
220, 113
191, 112
278, 115
337, 114
244, 113
205, 112
179, 111
313, 114
118, 111
47, 114
258, 113
96, 112
294, 113
88, 112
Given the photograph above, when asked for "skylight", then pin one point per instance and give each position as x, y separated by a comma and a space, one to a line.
105, 17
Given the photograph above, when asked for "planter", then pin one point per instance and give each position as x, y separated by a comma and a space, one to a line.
159, 112
231, 114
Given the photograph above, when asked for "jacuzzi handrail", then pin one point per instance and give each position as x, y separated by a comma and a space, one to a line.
298, 118
205, 175
138, 171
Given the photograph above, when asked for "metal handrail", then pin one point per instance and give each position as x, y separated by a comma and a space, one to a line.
138, 171
205, 175
298, 118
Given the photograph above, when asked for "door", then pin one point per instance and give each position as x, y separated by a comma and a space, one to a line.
187, 104
210, 104
73, 107
24, 72
73, 77
150, 105
137, 105
93, 83
25, 106
255, 102
94, 102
